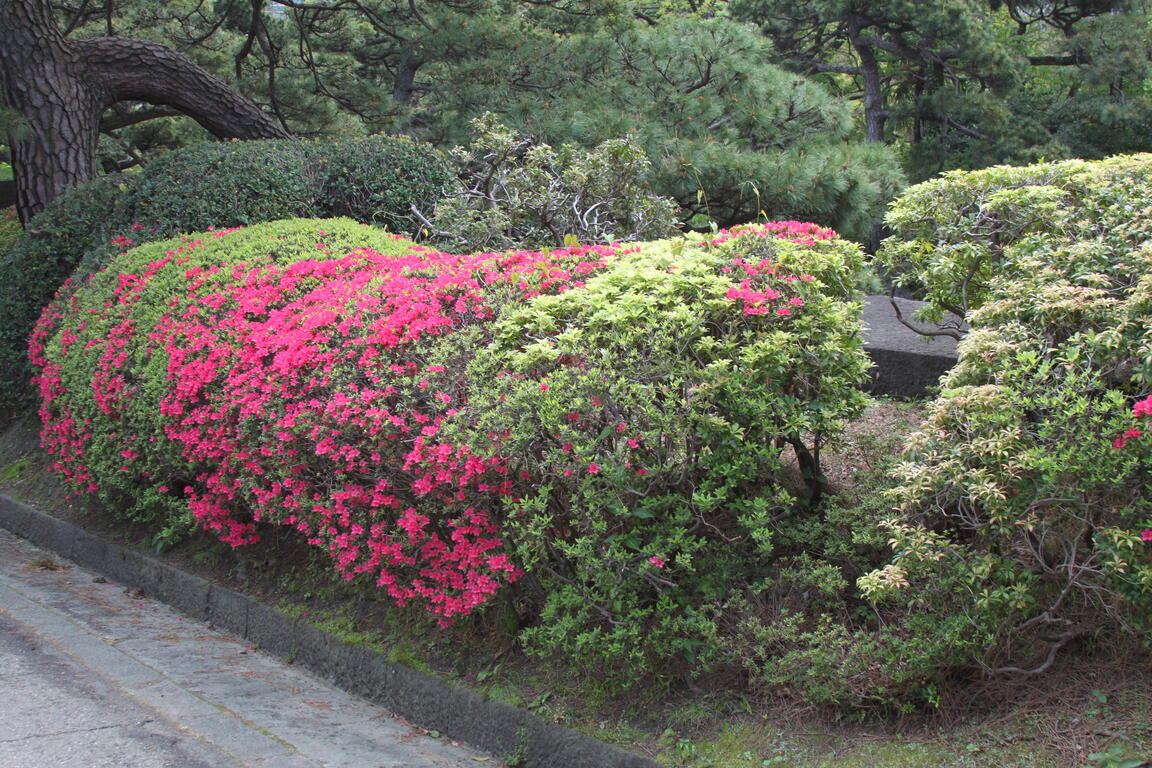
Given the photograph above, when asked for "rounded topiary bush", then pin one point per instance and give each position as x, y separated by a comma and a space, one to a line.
379, 179
1027, 494
955, 235
373, 180
660, 409
223, 184
91, 414
615, 422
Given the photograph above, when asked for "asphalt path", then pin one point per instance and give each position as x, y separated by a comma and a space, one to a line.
93, 675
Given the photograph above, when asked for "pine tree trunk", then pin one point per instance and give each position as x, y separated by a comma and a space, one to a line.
43, 81
62, 88
875, 115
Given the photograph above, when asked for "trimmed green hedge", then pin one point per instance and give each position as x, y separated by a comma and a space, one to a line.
223, 184
75, 225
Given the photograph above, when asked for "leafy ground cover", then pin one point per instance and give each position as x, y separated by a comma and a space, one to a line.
1095, 702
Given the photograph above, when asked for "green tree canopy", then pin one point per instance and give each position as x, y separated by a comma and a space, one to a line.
729, 134
969, 83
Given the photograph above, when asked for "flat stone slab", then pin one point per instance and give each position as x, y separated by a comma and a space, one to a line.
907, 364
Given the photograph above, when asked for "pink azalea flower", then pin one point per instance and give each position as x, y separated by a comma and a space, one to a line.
1143, 408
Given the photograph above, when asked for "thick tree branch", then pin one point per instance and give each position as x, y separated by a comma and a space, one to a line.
953, 332
62, 89
140, 70
820, 66
966, 130
1059, 61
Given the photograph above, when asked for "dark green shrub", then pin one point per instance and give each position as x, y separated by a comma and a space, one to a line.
1026, 497
10, 229
373, 180
75, 224
224, 184
379, 179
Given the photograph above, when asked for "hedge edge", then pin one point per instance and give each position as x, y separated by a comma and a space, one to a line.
463, 715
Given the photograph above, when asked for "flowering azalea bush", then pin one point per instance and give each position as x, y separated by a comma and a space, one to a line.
625, 424
289, 373
1026, 495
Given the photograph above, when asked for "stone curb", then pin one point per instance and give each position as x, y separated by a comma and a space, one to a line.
500, 729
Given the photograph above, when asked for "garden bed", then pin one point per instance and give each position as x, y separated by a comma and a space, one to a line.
1092, 700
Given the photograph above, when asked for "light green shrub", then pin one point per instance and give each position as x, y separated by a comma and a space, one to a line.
661, 409
1027, 491
953, 236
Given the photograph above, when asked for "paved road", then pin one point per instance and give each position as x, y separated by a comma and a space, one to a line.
93, 676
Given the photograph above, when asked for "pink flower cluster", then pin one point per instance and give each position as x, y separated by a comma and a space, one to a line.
1141, 408
762, 282
803, 232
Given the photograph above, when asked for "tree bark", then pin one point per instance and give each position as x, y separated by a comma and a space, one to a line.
875, 115
62, 88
